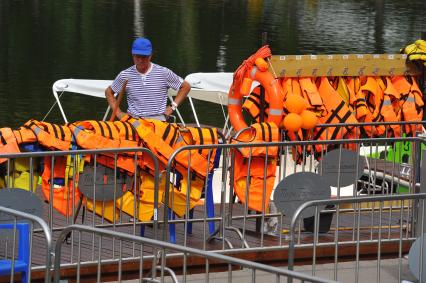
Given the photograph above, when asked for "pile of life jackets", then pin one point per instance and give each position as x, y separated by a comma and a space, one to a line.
351, 100
60, 175
334, 100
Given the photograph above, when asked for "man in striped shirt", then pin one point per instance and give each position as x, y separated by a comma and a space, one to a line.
147, 85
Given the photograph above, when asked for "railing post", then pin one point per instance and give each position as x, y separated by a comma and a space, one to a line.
420, 213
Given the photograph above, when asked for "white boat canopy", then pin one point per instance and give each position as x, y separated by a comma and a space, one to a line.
210, 87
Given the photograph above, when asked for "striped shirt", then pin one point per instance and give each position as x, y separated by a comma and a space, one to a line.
147, 93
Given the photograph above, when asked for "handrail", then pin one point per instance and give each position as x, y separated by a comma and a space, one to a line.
179, 248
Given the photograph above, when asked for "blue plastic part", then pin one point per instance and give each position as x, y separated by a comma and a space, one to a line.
22, 263
31, 147
209, 204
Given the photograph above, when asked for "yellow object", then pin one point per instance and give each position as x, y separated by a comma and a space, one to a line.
104, 209
20, 176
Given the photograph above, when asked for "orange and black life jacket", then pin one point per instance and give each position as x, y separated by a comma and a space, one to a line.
51, 136
8, 142
250, 173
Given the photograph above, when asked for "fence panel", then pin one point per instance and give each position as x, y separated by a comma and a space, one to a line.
20, 241
386, 230
165, 254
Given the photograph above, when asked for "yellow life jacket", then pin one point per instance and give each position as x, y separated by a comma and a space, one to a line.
20, 176
52, 136
8, 143
259, 184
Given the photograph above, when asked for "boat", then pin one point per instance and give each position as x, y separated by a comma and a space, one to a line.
237, 229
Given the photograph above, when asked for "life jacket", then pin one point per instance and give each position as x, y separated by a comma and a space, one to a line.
204, 136
20, 175
259, 181
369, 103
101, 134
390, 110
337, 112
353, 84
51, 136
252, 105
8, 143
162, 139
312, 95
63, 186
24, 135
412, 108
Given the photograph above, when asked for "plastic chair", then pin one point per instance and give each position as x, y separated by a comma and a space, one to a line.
22, 263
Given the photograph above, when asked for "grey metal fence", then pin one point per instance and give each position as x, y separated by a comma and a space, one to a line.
389, 224
17, 246
167, 252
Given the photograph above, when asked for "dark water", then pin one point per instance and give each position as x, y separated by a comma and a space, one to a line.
42, 41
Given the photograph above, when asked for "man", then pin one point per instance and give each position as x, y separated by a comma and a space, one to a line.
147, 85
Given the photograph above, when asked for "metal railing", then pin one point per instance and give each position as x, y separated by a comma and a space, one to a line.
386, 227
173, 251
30, 220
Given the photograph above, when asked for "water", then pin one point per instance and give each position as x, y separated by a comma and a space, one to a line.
43, 41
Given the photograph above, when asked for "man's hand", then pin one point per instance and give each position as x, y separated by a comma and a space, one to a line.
168, 111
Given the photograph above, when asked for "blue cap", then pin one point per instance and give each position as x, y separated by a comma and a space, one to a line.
142, 46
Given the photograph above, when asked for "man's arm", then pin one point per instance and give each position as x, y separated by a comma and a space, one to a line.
183, 91
109, 94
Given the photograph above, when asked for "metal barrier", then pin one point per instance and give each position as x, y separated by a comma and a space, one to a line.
237, 228
94, 207
386, 227
21, 258
167, 252
241, 229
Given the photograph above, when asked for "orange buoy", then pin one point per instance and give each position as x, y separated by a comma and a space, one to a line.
261, 64
295, 103
309, 119
292, 122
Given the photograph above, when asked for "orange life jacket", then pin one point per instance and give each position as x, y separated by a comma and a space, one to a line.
8, 143
337, 112
24, 135
252, 105
100, 135
52, 136
369, 102
258, 181
161, 139
390, 110
65, 195
204, 135
411, 102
